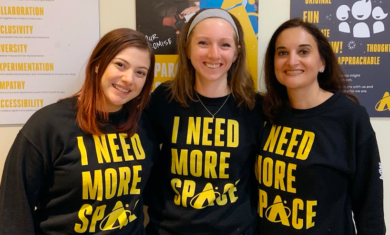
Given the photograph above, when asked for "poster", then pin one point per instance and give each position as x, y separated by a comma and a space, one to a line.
161, 20
44, 47
359, 32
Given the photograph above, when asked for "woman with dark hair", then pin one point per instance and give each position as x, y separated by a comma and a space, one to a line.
79, 166
209, 128
318, 169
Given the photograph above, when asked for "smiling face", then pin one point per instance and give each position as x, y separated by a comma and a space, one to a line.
342, 12
125, 77
297, 60
361, 10
212, 51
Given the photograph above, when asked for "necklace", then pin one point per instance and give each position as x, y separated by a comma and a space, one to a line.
204, 106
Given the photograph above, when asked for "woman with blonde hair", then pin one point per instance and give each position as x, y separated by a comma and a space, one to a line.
209, 127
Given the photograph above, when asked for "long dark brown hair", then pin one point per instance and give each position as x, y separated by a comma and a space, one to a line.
332, 79
239, 79
92, 111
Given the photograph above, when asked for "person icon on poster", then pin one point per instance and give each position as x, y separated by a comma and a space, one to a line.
361, 11
342, 15
378, 14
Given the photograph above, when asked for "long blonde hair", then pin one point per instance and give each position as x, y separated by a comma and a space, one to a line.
239, 79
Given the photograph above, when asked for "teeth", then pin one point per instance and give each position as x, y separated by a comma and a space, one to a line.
121, 89
213, 66
295, 72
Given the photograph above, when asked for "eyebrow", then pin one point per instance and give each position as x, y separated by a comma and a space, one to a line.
302, 45
118, 58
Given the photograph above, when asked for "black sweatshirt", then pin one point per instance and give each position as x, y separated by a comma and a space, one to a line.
203, 181
318, 170
79, 183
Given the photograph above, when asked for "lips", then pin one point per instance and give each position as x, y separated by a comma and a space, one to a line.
121, 88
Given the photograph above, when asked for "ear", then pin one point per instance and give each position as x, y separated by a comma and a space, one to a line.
236, 54
322, 68
96, 68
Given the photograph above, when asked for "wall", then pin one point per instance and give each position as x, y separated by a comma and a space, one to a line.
121, 13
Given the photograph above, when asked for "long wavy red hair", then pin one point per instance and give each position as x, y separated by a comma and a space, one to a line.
92, 112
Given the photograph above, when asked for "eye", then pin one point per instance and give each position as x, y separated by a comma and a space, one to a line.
202, 43
142, 73
282, 53
226, 45
304, 52
119, 64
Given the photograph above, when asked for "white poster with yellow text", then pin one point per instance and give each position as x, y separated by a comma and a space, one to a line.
44, 47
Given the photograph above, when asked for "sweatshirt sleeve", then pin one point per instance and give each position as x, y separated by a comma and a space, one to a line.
367, 187
155, 108
21, 182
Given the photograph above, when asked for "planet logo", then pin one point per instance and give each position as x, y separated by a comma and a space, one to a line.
384, 103
208, 194
118, 217
278, 212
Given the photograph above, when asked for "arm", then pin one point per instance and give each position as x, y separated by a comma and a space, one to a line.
367, 189
190, 10
20, 186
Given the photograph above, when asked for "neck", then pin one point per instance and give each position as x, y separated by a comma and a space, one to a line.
307, 98
212, 89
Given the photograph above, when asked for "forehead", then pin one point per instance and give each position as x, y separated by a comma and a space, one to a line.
133, 50
135, 56
295, 37
214, 28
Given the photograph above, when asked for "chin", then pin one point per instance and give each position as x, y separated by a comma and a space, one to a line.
118, 102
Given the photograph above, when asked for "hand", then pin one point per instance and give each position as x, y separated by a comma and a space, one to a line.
190, 10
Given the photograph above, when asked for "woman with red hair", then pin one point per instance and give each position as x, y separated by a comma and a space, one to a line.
81, 164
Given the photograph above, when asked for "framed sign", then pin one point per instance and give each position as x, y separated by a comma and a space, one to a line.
44, 46
359, 32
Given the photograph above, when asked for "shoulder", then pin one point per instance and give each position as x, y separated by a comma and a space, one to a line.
143, 121
162, 90
160, 96
255, 115
259, 99
52, 116
258, 109
350, 109
145, 126
355, 116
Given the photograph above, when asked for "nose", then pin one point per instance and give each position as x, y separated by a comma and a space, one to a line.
128, 76
213, 52
293, 59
